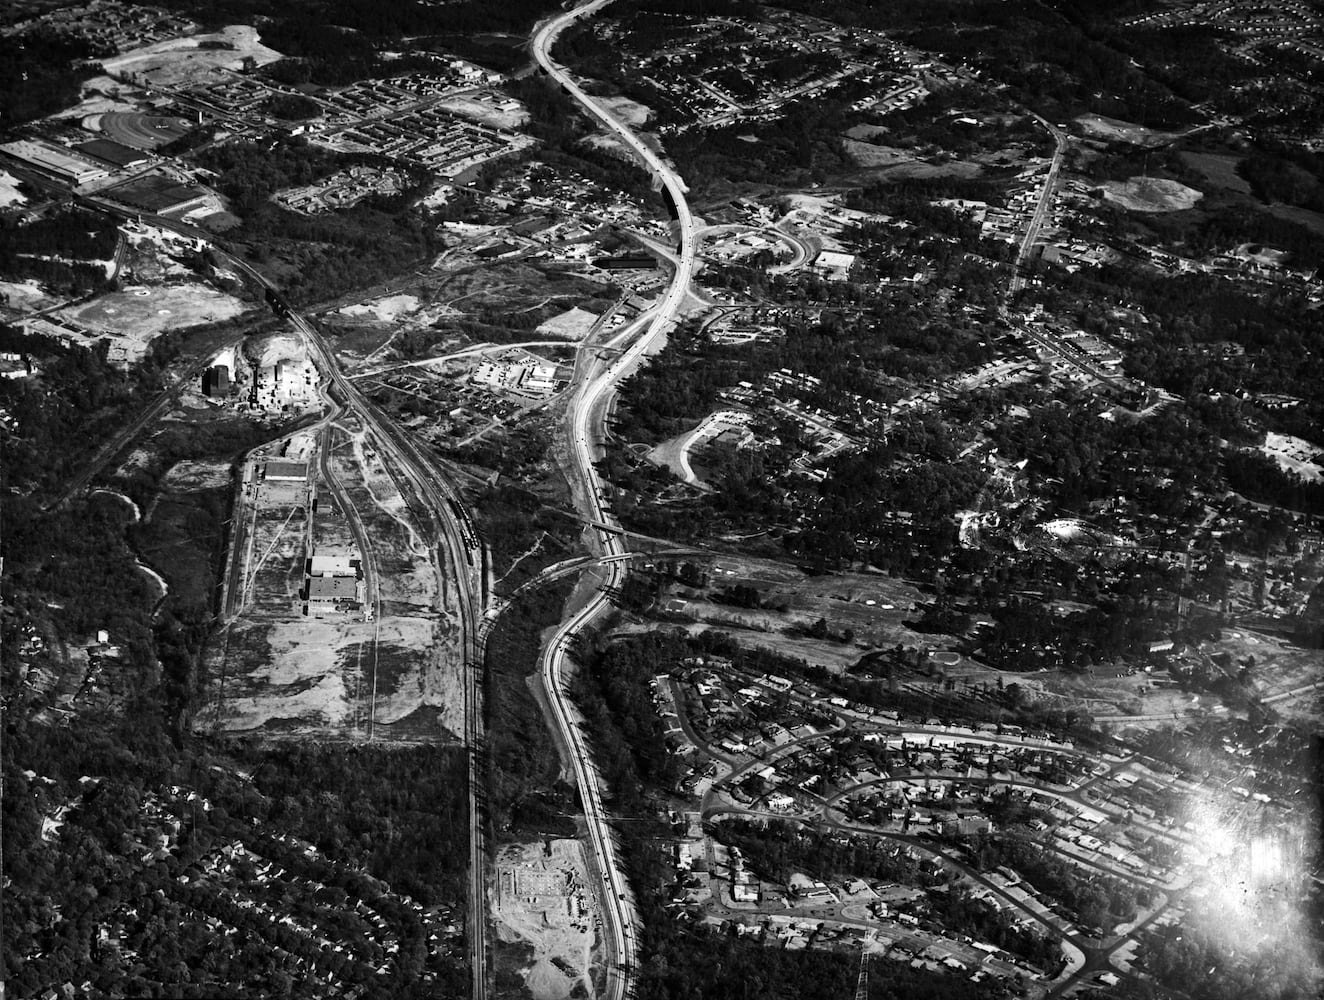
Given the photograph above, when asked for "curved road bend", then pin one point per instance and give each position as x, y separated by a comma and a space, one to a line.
619, 913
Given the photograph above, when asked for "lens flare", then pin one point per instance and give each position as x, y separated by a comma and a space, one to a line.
1247, 874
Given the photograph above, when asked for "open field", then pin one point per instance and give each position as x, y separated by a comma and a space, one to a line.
25, 296
180, 62
842, 601
1297, 214
544, 900
138, 314
1219, 169
505, 300
868, 154
1101, 127
1151, 194
573, 324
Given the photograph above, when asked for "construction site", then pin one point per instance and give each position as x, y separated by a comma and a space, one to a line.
545, 907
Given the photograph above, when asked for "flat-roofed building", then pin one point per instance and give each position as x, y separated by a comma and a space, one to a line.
332, 566
333, 588
286, 472
833, 264
113, 153
55, 160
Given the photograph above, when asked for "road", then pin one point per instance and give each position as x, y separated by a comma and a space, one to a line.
1042, 209
585, 421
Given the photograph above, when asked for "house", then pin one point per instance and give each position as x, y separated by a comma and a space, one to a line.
745, 892
968, 826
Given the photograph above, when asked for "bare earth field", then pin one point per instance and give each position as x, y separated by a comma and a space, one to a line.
385, 310
1151, 194
179, 61
572, 324
194, 475
543, 898
631, 113
101, 94
484, 111
9, 193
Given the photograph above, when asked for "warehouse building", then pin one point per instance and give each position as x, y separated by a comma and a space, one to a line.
286, 472
54, 160
333, 588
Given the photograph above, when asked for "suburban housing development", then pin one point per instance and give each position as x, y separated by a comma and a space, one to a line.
640, 498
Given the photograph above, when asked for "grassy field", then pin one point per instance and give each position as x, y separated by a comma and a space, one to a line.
1220, 169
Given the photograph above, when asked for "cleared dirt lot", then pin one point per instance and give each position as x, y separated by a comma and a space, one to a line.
483, 108
179, 61
1151, 194
543, 899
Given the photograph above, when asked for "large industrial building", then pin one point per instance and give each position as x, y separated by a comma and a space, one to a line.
285, 472
55, 161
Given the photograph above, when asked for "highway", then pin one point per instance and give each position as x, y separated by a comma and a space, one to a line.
586, 412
